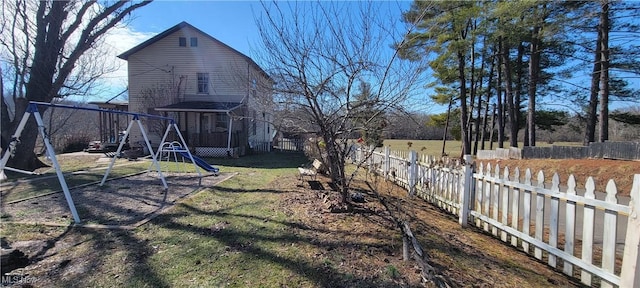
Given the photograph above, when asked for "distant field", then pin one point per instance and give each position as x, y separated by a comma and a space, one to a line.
453, 148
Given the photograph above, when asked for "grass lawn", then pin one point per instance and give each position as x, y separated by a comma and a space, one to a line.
227, 236
452, 147
260, 229
231, 235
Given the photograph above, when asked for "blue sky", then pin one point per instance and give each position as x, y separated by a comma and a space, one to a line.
231, 22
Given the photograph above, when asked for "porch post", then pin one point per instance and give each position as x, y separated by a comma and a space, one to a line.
229, 135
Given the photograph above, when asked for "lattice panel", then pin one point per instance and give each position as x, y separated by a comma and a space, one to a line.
215, 152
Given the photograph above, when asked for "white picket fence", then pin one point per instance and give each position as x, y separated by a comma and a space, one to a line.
588, 234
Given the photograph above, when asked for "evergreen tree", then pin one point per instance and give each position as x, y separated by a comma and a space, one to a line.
445, 35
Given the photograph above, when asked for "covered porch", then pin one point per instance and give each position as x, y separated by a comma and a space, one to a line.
211, 129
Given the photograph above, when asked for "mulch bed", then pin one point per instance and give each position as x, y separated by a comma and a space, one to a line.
121, 203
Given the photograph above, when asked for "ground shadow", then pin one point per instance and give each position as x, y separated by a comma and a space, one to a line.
239, 241
315, 185
271, 160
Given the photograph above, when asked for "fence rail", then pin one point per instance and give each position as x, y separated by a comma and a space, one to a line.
606, 150
260, 146
293, 145
588, 234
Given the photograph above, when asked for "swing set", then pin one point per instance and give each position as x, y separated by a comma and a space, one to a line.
32, 110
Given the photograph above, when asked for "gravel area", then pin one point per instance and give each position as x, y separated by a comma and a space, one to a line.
125, 202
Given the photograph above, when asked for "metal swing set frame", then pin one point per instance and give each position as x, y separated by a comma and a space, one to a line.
32, 109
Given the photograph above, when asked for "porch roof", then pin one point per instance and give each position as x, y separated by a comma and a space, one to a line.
200, 106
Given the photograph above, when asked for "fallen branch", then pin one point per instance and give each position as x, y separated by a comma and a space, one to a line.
427, 272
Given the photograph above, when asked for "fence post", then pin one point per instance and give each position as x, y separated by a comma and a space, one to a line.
387, 163
370, 163
466, 191
413, 171
405, 247
630, 275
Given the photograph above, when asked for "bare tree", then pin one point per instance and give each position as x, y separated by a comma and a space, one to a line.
44, 43
70, 129
319, 53
162, 94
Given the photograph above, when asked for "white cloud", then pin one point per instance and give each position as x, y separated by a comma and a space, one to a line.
118, 40
102, 58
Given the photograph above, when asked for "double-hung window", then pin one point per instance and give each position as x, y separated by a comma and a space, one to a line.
222, 121
203, 83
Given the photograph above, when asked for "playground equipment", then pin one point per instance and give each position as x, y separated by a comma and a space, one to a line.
169, 151
175, 151
32, 109
175, 148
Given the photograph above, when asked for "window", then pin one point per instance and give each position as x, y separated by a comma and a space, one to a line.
194, 41
205, 124
203, 83
221, 121
182, 42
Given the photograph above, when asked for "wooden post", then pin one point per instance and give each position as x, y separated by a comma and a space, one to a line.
405, 247
387, 163
609, 234
413, 171
466, 191
587, 230
630, 260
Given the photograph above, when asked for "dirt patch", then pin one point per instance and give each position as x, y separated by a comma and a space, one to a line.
126, 202
370, 244
600, 169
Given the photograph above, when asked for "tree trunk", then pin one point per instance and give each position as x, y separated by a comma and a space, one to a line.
464, 111
446, 128
499, 107
50, 67
47, 47
479, 104
534, 67
508, 89
483, 134
604, 75
486, 110
493, 126
336, 164
592, 109
477, 125
24, 157
472, 123
518, 89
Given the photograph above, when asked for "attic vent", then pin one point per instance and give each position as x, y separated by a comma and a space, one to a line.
182, 42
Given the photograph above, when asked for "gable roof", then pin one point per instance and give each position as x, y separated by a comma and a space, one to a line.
181, 25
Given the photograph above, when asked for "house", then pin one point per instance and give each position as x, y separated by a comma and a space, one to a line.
220, 98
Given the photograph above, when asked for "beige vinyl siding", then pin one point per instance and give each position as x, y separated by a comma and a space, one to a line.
164, 64
164, 61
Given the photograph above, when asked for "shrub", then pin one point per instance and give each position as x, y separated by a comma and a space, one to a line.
75, 144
